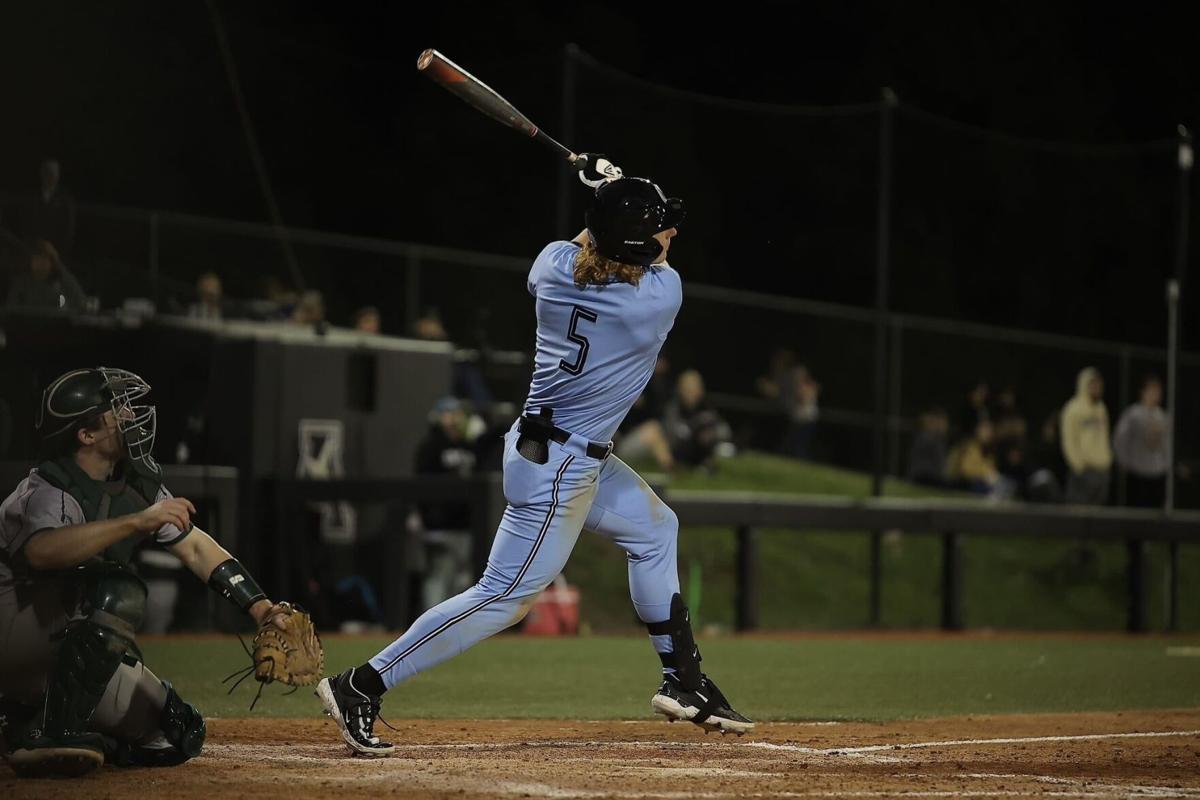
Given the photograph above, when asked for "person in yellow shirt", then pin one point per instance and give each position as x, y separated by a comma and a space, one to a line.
1085, 441
972, 464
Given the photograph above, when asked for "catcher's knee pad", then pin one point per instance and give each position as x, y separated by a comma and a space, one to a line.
182, 725
684, 657
114, 605
115, 598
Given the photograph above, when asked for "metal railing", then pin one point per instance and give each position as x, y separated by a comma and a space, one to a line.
157, 246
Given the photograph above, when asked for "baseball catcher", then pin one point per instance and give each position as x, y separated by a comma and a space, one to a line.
74, 693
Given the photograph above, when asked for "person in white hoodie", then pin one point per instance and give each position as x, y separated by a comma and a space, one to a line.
1085, 441
1140, 442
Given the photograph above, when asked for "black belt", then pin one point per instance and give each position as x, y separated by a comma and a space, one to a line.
540, 428
594, 449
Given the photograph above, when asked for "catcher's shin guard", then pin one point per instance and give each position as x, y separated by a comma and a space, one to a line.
181, 738
58, 742
684, 657
182, 724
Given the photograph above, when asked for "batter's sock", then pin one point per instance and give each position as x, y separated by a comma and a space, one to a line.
367, 680
664, 647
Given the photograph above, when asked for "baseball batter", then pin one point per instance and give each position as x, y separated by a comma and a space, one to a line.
606, 301
73, 691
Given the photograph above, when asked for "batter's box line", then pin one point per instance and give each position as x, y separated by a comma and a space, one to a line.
1085, 783
876, 748
790, 748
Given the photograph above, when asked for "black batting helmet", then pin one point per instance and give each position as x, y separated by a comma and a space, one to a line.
624, 216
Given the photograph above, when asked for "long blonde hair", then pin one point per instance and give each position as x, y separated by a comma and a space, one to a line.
591, 268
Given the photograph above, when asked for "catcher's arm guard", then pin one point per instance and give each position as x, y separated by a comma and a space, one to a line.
231, 580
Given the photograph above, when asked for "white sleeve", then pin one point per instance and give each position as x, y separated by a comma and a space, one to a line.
168, 534
38, 507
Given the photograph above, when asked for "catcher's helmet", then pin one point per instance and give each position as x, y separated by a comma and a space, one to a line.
624, 216
80, 396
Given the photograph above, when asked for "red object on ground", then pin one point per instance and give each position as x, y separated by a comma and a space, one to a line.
555, 612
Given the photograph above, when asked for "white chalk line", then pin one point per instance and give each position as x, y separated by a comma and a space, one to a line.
1184, 652
1088, 784
388, 770
874, 748
790, 748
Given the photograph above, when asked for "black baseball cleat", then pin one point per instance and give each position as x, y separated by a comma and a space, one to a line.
705, 706
355, 713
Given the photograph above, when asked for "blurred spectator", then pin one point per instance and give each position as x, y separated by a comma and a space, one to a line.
1005, 404
208, 298
1085, 443
927, 458
14, 255
277, 301
53, 214
446, 449
430, 328
366, 320
774, 383
442, 565
47, 284
801, 405
697, 434
468, 377
1012, 444
792, 386
1045, 464
1140, 442
972, 463
975, 410
642, 433
310, 310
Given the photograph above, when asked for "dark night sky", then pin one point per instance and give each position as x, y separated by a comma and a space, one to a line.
133, 99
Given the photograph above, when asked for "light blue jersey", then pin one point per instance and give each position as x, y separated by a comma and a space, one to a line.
596, 349
596, 346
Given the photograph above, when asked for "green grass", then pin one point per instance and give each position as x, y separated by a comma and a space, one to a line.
819, 579
760, 472
802, 679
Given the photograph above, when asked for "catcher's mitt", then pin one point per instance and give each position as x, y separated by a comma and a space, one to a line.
287, 648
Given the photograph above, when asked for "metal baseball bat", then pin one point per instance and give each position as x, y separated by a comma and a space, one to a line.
483, 98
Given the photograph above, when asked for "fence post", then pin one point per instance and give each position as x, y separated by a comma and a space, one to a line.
154, 266
883, 231
412, 291
883, 223
1173, 585
896, 375
1122, 404
567, 126
746, 618
875, 589
952, 616
1136, 575
1174, 290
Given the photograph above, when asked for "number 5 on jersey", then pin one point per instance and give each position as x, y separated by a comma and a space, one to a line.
575, 336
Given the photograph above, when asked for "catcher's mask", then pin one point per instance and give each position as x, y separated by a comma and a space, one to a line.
80, 396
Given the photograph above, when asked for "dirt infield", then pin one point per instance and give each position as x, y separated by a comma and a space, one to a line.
1131, 754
